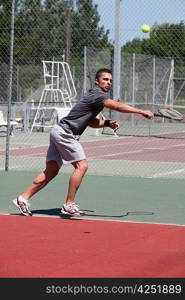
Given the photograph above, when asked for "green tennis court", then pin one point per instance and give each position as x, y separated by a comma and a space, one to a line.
102, 197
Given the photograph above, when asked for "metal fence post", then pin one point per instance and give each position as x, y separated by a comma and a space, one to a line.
117, 57
10, 87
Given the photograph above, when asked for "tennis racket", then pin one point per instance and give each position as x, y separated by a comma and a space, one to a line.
168, 113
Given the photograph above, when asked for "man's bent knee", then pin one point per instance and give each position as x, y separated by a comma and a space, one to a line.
81, 165
50, 172
52, 168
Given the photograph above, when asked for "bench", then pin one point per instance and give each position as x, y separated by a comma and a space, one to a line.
4, 123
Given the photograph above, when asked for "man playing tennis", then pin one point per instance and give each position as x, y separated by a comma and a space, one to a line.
64, 144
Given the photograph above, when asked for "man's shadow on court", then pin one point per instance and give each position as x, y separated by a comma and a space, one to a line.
88, 213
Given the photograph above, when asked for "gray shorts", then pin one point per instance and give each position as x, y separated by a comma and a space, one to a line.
63, 147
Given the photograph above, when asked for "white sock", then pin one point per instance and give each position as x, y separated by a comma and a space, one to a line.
21, 199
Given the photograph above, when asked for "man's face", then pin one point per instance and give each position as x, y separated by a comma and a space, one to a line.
104, 81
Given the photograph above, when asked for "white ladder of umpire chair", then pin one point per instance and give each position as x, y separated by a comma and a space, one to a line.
59, 90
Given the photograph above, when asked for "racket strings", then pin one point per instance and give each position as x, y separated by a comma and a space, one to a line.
170, 113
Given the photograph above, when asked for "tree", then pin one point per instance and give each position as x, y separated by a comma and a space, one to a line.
135, 46
166, 40
53, 38
5, 25
85, 28
28, 31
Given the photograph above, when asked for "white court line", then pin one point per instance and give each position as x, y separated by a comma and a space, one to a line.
167, 173
108, 145
116, 144
14, 167
135, 151
132, 143
23, 148
30, 154
115, 154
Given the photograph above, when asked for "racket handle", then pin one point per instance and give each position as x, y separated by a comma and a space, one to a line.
157, 114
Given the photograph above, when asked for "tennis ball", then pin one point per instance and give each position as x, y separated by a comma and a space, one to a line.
145, 28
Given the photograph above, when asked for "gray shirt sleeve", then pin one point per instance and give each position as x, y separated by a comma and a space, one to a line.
89, 106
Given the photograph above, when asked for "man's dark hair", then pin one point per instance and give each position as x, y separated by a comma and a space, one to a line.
103, 70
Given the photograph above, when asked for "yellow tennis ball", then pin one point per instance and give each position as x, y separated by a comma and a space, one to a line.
145, 28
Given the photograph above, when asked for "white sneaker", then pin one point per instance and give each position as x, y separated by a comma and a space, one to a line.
72, 210
22, 205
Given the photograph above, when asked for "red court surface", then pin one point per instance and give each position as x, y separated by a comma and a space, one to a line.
130, 148
46, 247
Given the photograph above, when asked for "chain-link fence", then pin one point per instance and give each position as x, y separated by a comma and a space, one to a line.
56, 46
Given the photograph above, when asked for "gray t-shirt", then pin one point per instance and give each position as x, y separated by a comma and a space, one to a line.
89, 106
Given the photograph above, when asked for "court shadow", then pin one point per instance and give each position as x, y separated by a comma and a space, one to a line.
56, 212
49, 212
88, 213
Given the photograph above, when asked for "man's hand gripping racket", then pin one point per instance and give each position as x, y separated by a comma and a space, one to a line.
168, 113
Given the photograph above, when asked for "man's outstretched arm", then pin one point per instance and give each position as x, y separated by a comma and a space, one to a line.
125, 108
